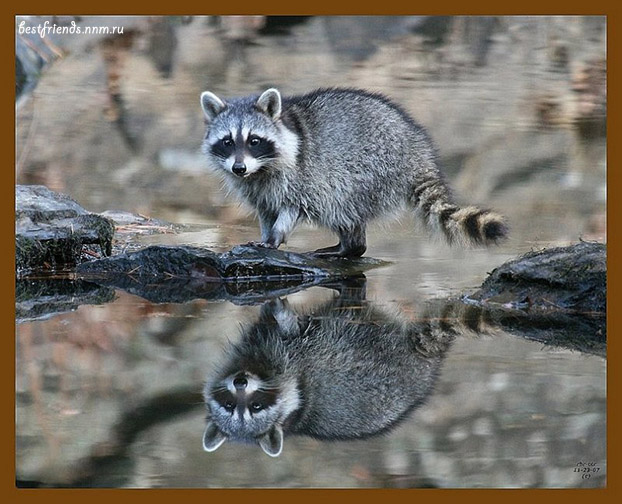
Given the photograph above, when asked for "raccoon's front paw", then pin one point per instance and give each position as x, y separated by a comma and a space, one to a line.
259, 244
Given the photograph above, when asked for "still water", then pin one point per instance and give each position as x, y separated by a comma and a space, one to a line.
110, 394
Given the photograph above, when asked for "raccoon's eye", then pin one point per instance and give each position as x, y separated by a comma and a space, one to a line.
256, 406
229, 406
227, 142
254, 141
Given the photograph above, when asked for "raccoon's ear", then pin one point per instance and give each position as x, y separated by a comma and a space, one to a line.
211, 105
270, 103
272, 441
213, 437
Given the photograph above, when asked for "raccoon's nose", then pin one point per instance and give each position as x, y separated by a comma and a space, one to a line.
238, 168
240, 383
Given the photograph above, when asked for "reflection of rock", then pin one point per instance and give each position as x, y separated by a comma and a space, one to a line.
346, 370
39, 299
244, 274
583, 333
51, 230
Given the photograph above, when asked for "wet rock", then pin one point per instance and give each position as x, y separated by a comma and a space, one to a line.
556, 296
242, 275
51, 230
568, 278
242, 263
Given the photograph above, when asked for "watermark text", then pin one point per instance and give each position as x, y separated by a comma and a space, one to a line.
48, 28
586, 469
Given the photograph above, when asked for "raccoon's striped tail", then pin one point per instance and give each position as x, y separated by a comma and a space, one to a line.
466, 226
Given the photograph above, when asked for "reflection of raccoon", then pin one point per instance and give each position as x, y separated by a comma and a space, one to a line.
347, 371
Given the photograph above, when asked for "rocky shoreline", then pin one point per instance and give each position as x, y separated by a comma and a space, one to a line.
555, 295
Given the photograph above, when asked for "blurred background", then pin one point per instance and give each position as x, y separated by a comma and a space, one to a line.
517, 108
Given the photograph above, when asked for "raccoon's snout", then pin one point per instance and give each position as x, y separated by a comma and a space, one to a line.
238, 168
240, 383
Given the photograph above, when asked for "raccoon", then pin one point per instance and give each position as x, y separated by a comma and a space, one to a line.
337, 158
347, 371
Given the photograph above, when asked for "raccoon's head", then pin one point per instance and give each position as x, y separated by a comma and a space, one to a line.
245, 135
243, 407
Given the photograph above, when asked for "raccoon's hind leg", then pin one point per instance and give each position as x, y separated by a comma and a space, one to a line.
352, 243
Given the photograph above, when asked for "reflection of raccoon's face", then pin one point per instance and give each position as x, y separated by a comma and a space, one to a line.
243, 407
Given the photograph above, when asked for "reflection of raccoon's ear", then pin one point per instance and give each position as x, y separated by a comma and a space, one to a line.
285, 317
272, 441
211, 105
213, 437
270, 103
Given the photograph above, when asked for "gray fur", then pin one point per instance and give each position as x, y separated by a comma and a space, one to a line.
343, 157
347, 371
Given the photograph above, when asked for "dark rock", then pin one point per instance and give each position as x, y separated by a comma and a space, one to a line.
242, 263
556, 296
243, 275
565, 278
51, 230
